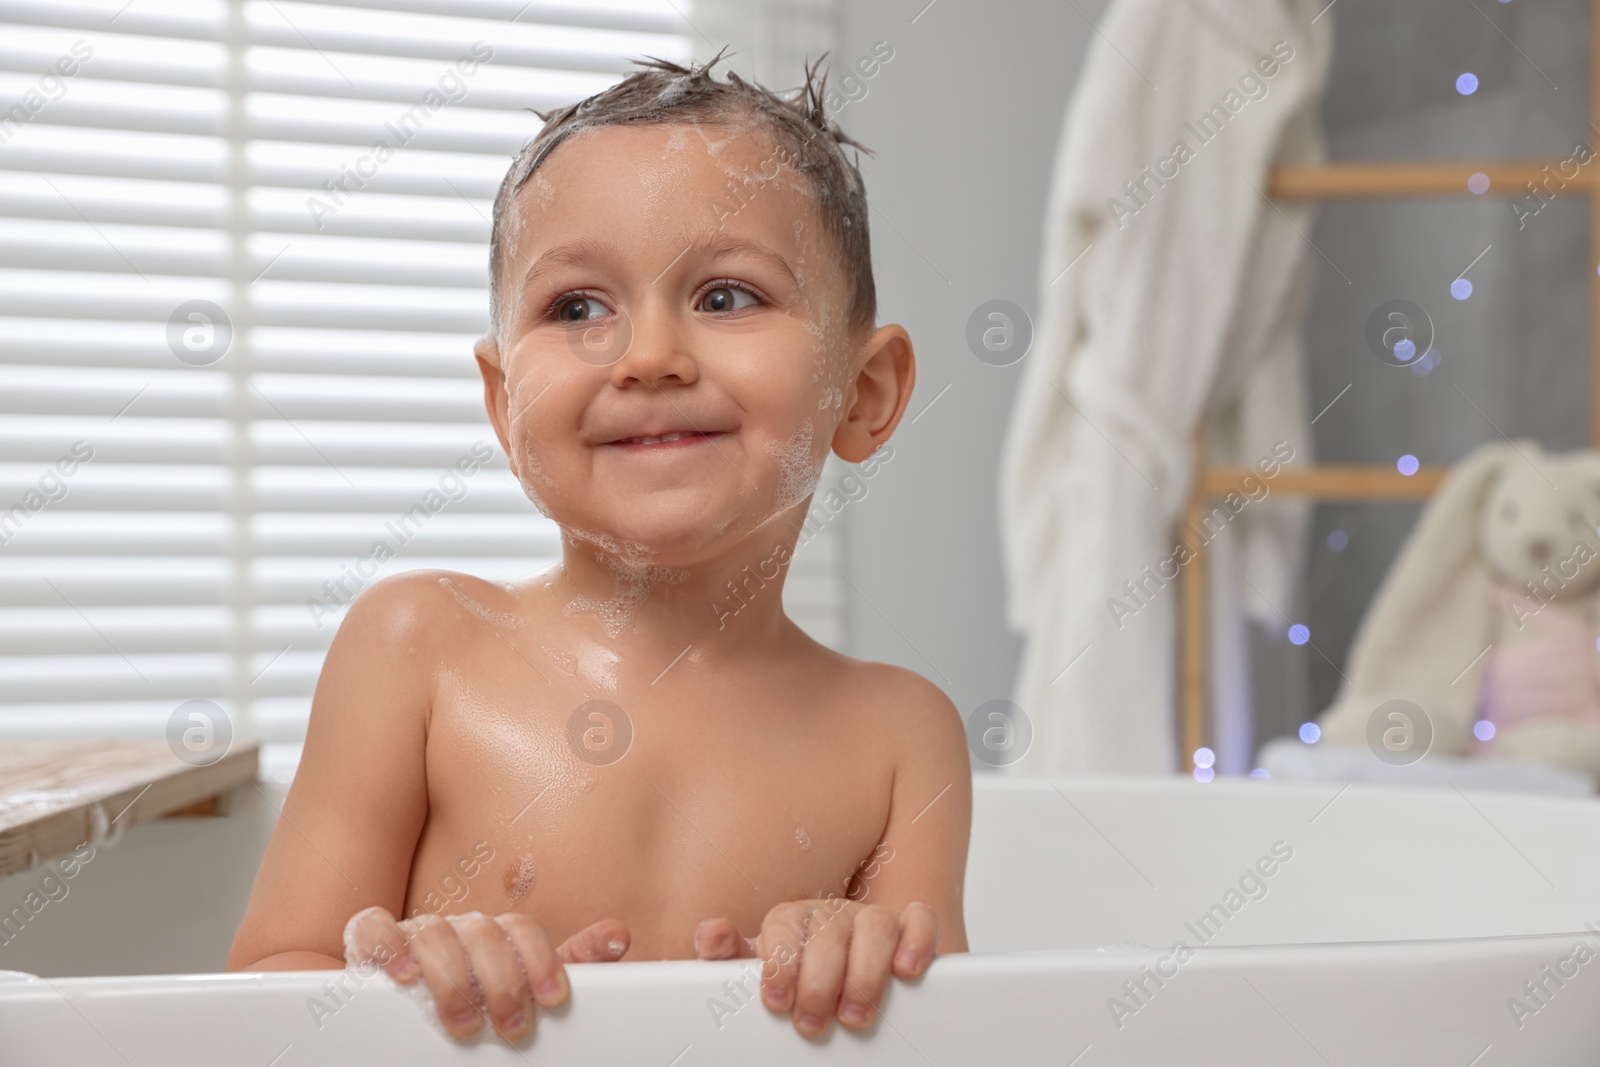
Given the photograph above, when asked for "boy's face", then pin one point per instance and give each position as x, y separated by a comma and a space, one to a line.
645, 297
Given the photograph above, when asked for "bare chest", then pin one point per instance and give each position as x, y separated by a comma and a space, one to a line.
656, 809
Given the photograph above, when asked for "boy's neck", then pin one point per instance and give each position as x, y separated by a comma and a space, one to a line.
731, 601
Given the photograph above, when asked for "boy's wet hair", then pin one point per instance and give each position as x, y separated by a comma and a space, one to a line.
663, 92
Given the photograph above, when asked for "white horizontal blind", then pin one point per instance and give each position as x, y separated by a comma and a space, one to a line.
175, 525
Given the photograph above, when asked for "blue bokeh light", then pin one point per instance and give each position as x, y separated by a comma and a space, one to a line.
1478, 183
1204, 757
1299, 634
1467, 84
1310, 732
1204, 774
1407, 465
1338, 541
1483, 729
1460, 288
1260, 772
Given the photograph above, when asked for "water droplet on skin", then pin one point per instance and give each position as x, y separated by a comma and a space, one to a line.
586, 785
519, 879
802, 838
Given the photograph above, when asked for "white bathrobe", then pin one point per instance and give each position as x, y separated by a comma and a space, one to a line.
1181, 304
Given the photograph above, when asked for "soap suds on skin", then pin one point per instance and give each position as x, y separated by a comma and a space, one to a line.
530, 469
519, 879
798, 470
493, 618
633, 575
562, 658
418, 991
598, 665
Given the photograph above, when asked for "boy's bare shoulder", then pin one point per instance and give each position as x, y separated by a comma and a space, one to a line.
428, 609
907, 702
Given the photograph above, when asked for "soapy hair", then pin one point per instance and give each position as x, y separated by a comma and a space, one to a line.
662, 93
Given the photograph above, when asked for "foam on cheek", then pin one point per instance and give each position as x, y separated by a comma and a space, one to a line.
799, 469
530, 471
829, 341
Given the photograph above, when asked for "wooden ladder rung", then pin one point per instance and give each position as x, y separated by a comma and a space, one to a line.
1335, 181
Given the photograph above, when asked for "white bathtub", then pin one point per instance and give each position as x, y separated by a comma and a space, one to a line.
1398, 932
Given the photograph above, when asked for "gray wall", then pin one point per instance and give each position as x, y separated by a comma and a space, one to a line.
964, 120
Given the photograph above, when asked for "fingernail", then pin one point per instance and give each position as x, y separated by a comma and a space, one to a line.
906, 958
549, 991
515, 1023
853, 1013
775, 998
406, 969
463, 1019
808, 1021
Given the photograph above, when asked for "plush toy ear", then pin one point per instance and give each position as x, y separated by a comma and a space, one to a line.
1424, 631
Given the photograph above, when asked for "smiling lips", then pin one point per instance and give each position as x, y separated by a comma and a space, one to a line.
663, 442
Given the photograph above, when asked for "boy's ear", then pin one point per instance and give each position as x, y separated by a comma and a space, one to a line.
487, 350
878, 397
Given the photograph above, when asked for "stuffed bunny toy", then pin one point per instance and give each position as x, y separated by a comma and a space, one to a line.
1492, 613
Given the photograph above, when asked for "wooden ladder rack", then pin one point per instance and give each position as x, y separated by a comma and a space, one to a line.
1343, 181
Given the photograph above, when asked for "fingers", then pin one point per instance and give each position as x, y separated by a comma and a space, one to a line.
919, 939
719, 939
500, 981
783, 935
873, 937
443, 960
822, 966
546, 977
603, 942
372, 935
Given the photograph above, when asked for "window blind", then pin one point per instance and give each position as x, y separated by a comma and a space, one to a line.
243, 253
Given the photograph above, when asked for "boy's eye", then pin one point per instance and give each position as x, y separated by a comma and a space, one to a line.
726, 298
578, 308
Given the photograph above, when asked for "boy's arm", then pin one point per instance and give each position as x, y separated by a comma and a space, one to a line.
922, 858
353, 816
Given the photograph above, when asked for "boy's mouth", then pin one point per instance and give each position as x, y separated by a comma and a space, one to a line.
669, 439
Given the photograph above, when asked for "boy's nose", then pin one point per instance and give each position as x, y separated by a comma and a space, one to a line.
650, 347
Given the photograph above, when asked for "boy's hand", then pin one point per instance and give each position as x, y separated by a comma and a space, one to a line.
828, 958
479, 967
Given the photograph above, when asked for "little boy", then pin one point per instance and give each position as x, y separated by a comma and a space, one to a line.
606, 760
